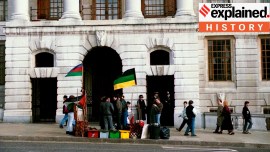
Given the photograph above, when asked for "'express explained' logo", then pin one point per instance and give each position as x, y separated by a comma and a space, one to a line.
234, 17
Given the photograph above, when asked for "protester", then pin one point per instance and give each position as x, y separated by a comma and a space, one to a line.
101, 117
184, 116
227, 121
149, 106
65, 112
219, 116
191, 114
71, 101
247, 118
160, 108
107, 109
124, 112
141, 108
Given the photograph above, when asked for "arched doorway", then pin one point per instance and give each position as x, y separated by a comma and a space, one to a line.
102, 65
44, 102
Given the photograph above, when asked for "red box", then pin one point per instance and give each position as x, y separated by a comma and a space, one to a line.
93, 133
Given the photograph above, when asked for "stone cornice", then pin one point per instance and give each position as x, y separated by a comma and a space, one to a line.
90, 27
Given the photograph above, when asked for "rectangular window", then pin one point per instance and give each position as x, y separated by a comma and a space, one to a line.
158, 8
2, 64
219, 60
218, 1
48, 9
3, 10
265, 58
56, 9
106, 9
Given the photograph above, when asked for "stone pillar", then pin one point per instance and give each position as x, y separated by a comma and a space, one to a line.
133, 9
71, 10
19, 10
184, 8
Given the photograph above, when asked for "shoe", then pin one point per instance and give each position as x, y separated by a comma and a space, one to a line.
244, 132
177, 129
67, 132
220, 132
60, 126
193, 135
231, 133
186, 134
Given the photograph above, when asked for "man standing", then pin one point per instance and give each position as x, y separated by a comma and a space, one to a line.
191, 114
124, 112
219, 116
107, 109
247, 118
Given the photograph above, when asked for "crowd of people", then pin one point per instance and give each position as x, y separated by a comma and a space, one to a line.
224, 120
117, 114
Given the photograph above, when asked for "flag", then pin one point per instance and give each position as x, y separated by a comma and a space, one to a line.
76, 71
82, 101
127, 79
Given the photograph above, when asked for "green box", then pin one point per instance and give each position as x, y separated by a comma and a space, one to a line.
114, 134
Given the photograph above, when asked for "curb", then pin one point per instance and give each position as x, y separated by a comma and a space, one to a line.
132, 141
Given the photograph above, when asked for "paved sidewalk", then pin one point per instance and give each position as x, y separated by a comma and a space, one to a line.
52, 132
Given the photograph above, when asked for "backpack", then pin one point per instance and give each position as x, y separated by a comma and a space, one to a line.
65, 109
164, 133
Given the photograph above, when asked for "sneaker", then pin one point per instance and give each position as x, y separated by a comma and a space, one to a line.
186, 134
244, 132
194, 135
60, 126
177, 129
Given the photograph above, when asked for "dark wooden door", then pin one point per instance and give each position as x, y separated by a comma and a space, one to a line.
44, 99
162, 84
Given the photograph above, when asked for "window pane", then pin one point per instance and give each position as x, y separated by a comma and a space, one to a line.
56, 8
219, 60
106, 10
160, 57
265, 58
3, 10
159, 8
2, 64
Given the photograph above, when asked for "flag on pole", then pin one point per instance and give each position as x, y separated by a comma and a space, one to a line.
76, 71
82, 101
127, 79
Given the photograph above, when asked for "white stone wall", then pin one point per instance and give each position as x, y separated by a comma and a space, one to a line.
133, 40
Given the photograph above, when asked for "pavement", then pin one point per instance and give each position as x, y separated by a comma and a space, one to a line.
205, 137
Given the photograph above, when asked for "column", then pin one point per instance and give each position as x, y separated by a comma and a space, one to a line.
71, 10
133, 9
19, 10
184, 8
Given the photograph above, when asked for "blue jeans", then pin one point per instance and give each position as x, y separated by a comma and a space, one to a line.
158, 118
191, 126
247, 125
124, 119
64, 119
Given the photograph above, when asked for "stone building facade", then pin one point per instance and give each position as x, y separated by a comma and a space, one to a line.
168, 53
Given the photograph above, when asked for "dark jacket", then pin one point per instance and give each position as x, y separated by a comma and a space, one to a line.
106, 108
189, 112
246, 113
